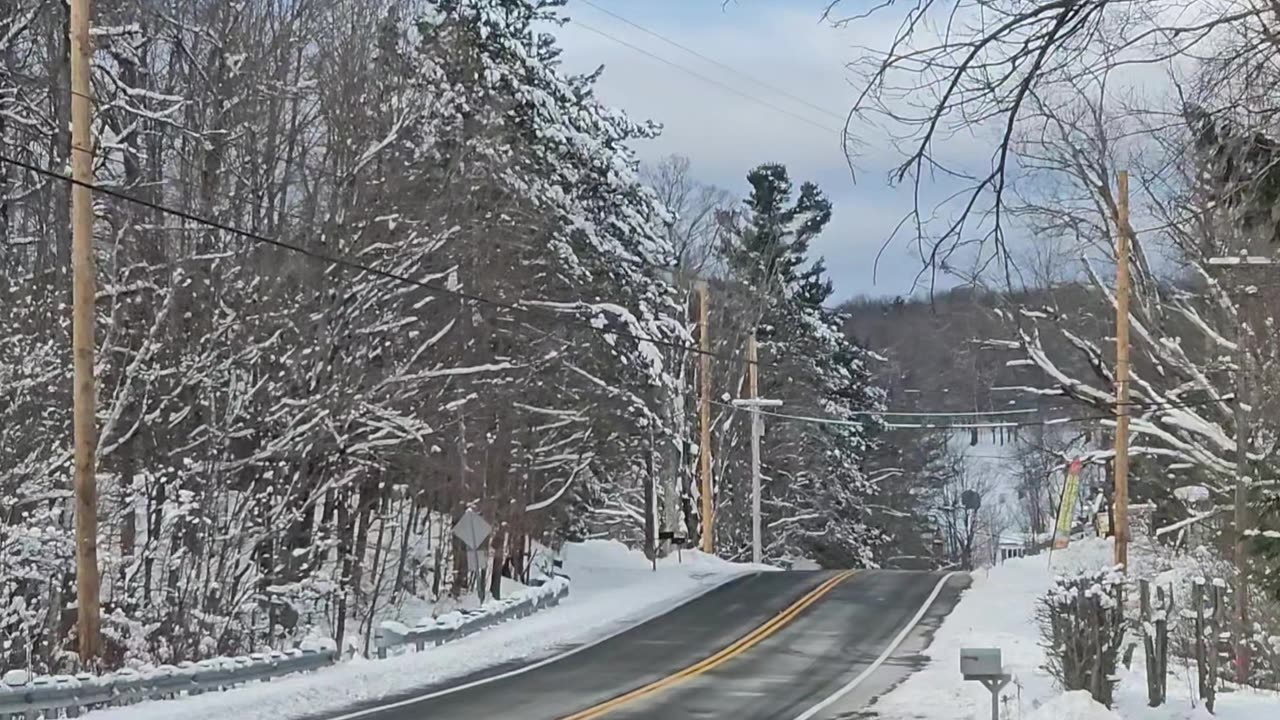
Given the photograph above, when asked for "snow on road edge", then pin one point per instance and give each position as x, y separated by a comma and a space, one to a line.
612, 588
998, 610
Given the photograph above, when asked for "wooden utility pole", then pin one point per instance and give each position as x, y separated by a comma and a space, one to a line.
83, 294
1244, 384
1122, 372
1242, 501
704, 418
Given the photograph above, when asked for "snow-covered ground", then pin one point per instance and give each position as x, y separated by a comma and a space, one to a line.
999, 611
611, 589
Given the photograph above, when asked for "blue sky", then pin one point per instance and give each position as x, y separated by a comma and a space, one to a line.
785, 44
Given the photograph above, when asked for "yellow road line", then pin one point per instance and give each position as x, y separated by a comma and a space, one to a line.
746, 642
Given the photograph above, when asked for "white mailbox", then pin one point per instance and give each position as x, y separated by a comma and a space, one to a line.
980, 663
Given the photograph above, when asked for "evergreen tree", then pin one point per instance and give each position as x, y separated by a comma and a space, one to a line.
816, 485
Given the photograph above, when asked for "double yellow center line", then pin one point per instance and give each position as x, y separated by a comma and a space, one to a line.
745, 643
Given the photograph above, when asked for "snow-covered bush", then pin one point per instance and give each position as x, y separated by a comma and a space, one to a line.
1179, 571
1082, 625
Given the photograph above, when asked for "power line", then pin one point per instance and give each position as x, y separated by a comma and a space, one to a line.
706, 79
717, 63
255, 203
361, 267
368, 269
966, 413
968, 426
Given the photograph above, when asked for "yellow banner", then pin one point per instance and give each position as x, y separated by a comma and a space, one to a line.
1067, 507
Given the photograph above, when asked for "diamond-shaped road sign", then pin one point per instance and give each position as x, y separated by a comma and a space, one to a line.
472, 529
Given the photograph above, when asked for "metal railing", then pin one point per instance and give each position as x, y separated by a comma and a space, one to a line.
72, 694
69, 695
438, 631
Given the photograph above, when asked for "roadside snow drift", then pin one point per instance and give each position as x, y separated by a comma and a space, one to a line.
1076, 705
998, 610
613, 588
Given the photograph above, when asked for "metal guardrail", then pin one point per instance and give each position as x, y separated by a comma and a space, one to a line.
436, 632
72, 694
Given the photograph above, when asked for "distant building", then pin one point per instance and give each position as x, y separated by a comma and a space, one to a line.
1016, 545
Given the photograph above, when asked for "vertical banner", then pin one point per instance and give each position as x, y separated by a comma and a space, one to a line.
1067, 507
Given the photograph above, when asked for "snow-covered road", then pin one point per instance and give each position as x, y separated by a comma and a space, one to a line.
771, 646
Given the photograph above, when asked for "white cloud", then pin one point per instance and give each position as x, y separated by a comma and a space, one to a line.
726, 134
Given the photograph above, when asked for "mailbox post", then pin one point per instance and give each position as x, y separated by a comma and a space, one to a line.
984, 665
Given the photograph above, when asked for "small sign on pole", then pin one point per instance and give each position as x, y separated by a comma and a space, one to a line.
472, 529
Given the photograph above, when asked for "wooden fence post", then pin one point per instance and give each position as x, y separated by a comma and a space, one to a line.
1162, 639
1202, 661
1149, 644
1214, 651
1155, 639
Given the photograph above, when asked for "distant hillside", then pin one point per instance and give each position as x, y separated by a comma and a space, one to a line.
934, 352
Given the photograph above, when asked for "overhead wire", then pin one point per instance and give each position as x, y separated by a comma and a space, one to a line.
377, 272
516, 307
358, 266
707, 79
519, 307
344, 178
724, 66
817, 419
258, 204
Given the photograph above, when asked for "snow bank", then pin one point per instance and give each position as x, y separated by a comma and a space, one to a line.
613, 589
1073, 706
393, 636
999, 611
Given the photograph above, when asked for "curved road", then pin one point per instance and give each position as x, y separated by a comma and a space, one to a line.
768, 646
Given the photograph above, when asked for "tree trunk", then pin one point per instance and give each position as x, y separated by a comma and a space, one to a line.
498, 550
345, 541
384, 507
409, 528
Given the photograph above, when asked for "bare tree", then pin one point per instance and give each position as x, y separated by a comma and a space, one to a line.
695, 229
982, 63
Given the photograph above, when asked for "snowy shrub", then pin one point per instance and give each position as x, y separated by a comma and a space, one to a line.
1082, 626
1180, 570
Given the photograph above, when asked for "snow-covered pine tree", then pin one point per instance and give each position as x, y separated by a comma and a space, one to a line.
284, 441
816, 485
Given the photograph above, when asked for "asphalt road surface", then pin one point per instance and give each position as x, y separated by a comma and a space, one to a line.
769, 646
